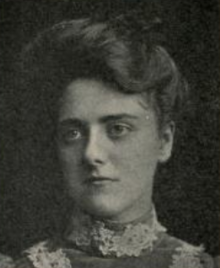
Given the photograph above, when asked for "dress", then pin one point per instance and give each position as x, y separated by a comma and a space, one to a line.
96, 244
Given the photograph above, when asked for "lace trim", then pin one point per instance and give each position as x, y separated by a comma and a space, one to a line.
6, 261
131, 241
187, 256
42, 258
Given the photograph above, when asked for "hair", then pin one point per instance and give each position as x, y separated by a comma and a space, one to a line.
130, 57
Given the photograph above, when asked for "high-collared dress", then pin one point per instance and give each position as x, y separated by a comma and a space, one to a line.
91, 243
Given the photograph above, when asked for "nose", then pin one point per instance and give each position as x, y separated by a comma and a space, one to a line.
95, 150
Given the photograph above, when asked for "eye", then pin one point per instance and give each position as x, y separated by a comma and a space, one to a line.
70, 135
118, 130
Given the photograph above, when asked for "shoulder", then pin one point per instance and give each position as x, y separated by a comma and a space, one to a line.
183, 254
169, 253
43, 255
6, 261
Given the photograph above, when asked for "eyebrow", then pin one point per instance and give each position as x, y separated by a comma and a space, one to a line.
104, 119
115, 117
71, 121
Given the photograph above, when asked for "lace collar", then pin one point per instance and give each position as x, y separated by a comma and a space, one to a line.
110, 239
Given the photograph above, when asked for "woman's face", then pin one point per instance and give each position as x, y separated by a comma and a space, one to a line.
109, 147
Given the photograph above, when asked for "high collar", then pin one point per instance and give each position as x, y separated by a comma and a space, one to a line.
108, 238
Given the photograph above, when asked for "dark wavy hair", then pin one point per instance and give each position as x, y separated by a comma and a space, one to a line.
122, 52
127, 52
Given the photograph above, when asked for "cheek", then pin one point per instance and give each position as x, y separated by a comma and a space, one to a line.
138, 157
71, 169
70, 158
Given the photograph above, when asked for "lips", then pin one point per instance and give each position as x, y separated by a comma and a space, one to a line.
99, 180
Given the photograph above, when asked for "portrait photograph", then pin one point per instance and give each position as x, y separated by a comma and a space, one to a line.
109, 126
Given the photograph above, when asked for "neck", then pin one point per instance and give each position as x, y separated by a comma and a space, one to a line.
82, 218
142, 206
128, 218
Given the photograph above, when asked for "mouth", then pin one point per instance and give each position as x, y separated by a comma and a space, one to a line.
100, 180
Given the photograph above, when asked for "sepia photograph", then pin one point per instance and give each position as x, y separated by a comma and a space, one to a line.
109, 134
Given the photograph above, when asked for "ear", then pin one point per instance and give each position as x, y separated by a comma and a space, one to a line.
167, 136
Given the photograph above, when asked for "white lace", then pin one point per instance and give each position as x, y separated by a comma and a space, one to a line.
131, 241
42, 258
187, 256
6, 261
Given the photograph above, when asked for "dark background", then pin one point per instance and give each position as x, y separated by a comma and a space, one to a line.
187, 189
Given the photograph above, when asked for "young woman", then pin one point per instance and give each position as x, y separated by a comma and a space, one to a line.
101, 100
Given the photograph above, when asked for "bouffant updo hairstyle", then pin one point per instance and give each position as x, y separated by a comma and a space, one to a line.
128, 52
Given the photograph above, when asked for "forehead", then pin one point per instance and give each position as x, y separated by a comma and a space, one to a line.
89, 99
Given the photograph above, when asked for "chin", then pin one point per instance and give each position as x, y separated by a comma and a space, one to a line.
103, 207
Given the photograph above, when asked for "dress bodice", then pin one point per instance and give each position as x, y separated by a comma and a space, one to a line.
168, 252
95, 244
